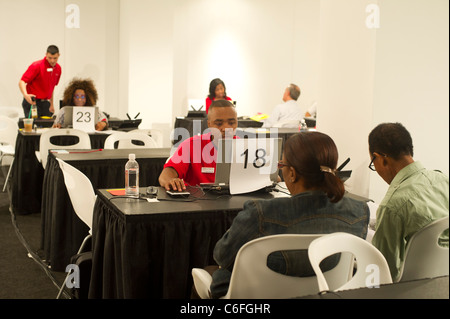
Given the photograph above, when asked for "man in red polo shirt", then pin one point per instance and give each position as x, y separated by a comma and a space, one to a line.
38, 82
194, 161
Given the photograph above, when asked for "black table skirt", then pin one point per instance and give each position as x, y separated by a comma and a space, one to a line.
151, 256
62, 230
28, 174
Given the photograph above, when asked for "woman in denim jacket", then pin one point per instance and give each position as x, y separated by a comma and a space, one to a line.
317, 206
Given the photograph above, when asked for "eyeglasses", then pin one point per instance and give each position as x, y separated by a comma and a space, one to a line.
372, 165
281, 165
80, 96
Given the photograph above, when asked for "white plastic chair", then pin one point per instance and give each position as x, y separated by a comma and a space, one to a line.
424, 258
8, 135
155, 134
125, 140
13, 112
251, 278
372, 268
82, 197
45, 145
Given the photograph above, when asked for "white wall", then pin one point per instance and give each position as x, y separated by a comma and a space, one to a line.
146, 37
28, 27
257, 47
171, 50
92, 50
151, 56
24, 39
347, 56
411, 79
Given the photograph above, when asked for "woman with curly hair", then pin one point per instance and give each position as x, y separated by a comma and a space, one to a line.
81, 92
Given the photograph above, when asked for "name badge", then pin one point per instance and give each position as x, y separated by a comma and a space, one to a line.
49, 69
208, 170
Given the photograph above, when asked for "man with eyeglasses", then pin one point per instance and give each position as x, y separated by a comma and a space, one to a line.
416, 196
38, 82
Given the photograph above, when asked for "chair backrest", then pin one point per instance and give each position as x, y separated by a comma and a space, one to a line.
45, 143
372, 268
81, 192
13, 112
424, 258
251, 278
125, 140
155, 134
8, 131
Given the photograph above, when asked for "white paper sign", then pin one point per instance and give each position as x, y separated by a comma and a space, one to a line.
253, 161
83, 118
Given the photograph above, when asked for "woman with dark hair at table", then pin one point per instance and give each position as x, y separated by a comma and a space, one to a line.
217, 91
317, 206
81, 92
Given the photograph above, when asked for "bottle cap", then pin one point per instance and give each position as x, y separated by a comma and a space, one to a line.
132, 156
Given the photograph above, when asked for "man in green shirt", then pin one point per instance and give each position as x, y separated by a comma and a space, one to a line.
415, 197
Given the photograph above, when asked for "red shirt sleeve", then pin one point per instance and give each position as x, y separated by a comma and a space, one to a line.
180, 160
195, 160
31, 73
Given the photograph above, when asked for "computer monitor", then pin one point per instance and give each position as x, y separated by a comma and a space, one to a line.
195, 108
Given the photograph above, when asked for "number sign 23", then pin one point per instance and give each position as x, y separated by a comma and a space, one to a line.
84, 118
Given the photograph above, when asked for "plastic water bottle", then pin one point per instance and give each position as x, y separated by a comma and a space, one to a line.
132, 177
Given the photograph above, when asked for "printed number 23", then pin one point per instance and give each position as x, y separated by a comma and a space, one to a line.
259, 158
87, 117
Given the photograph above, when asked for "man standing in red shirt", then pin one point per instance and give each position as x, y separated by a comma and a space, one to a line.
38, 82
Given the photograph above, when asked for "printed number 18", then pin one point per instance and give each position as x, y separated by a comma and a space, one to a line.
258, 157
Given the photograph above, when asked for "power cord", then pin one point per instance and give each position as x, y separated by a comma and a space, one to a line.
32, 254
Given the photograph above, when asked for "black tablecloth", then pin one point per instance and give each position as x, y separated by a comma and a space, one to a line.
427, 288
27, 173
150, 254
62, 230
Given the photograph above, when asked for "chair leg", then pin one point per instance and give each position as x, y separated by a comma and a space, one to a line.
7, 176
80, 250
85, 240
62, 286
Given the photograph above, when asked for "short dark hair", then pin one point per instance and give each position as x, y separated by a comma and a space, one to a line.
220, 103
306, 152
52, 49
212, 88
391, 139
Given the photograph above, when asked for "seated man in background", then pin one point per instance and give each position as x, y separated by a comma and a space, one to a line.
194, 161
288, 114
81, 92
415, 197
